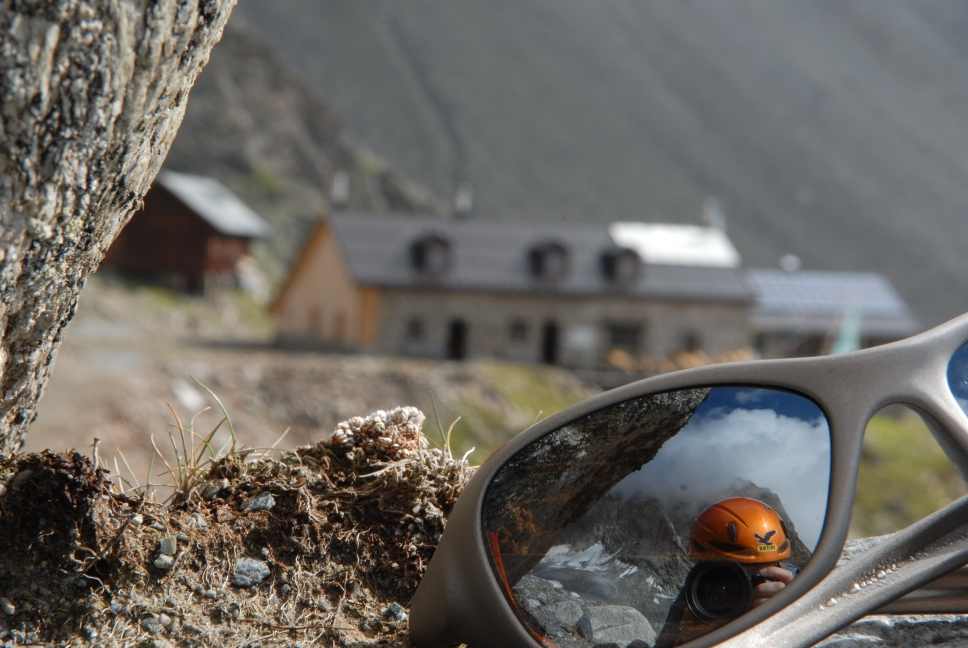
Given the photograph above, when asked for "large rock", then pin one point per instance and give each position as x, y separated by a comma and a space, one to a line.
618, 624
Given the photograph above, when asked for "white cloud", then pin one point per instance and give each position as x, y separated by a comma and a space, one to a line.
747, 396
787, 455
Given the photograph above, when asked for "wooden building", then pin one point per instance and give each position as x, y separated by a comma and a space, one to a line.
191, 233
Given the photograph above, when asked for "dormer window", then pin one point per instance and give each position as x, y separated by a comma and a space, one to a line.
548, 261
431, 255
621, 266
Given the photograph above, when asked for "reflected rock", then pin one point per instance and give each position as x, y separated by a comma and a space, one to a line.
558, 478
619, 624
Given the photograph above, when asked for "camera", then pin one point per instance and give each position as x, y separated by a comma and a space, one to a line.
723, 589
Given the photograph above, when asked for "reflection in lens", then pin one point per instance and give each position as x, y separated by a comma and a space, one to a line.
958, 376
647, 523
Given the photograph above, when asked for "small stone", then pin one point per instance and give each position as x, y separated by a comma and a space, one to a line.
197, 521
265, 552
210, 594
152, 625
164, 619
137, 519
249, 572
90, 633
7, 606
157, 526
168, 546
285, 589
164, 562
395, 612
117, 608
182, 537
212, 489
261, 502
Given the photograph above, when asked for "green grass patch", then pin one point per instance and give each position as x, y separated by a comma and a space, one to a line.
904, 475
501, 401
534, 392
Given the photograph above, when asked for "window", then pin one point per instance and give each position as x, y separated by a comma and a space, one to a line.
624, 336
518, 330
548, 261
431, 255
691, 342
621, 266
415, 330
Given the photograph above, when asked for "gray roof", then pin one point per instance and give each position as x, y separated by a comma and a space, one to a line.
492, 256
211, 200
819, 301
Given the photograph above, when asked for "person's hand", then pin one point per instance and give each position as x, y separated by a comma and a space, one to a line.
778, 578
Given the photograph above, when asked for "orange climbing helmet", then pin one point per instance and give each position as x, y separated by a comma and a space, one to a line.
742, 529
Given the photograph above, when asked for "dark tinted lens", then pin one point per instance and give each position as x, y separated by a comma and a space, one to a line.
595, 529
958, 376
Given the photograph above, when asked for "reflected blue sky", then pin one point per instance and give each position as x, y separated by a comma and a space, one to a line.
958, 376
776, 439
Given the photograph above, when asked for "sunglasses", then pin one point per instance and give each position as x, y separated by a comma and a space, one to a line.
641, 517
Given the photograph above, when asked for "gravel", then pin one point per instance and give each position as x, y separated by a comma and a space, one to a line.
168, 546
261, 502
152, 624
249, 572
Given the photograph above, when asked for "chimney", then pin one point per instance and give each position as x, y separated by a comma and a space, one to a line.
713, 215
339, 190
463, 201
790, 263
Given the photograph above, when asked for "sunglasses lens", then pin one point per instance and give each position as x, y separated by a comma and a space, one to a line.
958, 376
652, 518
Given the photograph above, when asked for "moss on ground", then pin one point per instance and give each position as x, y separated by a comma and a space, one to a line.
904, 475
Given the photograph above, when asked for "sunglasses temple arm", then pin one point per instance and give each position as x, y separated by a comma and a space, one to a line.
945, 595
906, 564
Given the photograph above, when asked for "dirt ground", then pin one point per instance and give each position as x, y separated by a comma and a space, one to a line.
133, 351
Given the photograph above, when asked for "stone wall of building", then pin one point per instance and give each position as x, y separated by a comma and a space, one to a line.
518, 327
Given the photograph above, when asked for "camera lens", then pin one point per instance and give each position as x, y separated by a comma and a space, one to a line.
715, 590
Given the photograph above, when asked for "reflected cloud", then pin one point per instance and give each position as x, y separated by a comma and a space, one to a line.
788, 455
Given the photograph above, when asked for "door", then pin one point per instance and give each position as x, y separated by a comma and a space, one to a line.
549, 342
457, 339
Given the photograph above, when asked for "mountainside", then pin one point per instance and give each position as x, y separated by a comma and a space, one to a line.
832, 130
255, 127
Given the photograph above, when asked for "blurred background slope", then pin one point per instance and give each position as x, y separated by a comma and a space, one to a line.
832, 130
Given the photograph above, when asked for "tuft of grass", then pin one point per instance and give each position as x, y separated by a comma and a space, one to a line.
192, 454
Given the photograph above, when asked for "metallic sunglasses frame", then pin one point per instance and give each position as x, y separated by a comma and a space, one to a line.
460, 599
